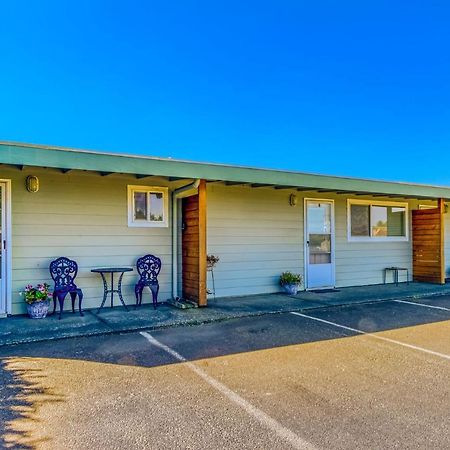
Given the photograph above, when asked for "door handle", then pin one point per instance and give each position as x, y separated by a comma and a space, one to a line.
307, 242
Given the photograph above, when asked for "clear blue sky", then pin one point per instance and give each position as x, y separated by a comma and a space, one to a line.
348, 88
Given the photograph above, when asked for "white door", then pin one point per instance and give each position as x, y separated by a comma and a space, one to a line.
319, 240
3, 247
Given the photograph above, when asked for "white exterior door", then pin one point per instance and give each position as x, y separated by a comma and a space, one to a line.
319, 243
4, 246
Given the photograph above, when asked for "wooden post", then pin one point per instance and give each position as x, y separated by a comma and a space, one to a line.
194, 247
202, 294
428, 235
441, 207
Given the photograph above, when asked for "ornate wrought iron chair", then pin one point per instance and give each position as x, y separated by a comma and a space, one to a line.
64, 271
148, 268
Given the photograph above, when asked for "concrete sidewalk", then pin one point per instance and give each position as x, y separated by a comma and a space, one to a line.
20, 329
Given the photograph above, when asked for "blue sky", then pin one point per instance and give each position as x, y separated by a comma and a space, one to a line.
336, 87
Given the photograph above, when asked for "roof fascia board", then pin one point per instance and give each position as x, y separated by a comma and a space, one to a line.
63, 159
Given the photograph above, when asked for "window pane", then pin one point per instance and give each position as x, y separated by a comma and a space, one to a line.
156, 206
379, 221
319, 248
396, 221
388, 221
360, 220
140, 205
319, 217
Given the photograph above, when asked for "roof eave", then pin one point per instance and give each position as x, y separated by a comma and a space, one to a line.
22, 155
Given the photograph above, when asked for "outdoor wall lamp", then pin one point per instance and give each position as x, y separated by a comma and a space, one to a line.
293, 200
32, 183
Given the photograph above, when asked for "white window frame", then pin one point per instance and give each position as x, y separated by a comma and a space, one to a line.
371, 238
148, 223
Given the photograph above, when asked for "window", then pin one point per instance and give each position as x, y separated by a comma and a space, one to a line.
377, 221
147, 206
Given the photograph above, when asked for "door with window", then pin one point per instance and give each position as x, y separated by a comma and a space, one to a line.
319, 237
3, 246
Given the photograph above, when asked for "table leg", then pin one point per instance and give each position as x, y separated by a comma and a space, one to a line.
112, 289
105, 291
119, 291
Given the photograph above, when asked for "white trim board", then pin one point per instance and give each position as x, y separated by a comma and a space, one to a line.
350, 238
6, 307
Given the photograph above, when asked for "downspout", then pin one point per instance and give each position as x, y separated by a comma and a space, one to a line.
176, 194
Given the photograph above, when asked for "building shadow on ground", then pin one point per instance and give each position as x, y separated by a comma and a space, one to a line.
21, 396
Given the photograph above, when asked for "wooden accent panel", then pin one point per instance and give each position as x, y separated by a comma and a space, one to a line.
194, 246
428, 244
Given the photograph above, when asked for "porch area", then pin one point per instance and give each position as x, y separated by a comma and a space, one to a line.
21, 329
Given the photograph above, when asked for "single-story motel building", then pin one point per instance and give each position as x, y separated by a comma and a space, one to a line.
109, 209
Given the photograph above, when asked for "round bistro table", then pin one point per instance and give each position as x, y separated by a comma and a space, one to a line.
106, 290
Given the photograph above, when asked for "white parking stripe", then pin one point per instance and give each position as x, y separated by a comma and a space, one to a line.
421, 304
270, 423
375, 336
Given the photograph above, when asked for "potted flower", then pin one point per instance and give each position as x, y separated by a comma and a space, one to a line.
37, 299
291, 282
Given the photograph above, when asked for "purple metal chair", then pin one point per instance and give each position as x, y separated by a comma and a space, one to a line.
148, 268
63, 271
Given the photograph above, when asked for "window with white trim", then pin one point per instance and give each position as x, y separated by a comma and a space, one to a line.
148, 206
377, 221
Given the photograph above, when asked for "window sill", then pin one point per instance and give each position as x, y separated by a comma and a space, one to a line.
148, 224
385, 239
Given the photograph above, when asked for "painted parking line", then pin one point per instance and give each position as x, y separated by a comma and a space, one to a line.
264, 419
422, 304
375, 336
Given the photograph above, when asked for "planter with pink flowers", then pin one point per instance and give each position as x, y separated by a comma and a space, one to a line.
37, 299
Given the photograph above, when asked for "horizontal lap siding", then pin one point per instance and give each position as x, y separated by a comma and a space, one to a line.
256, 234
82, 216
363, 263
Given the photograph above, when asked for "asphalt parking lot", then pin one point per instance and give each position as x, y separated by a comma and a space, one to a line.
364, 376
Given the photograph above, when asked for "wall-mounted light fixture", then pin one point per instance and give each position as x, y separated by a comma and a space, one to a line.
32, 183
293, 200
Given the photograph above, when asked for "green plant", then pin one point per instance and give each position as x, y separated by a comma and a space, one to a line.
290, 278
40, 293
212, 260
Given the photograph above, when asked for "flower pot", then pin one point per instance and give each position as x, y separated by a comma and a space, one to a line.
38, 310
291, 289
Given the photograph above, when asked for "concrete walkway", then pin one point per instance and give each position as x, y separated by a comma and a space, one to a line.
20, 329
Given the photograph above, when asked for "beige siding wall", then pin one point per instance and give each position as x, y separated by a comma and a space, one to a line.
254, 231
257, 235
82, 216
363, 263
